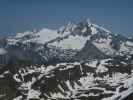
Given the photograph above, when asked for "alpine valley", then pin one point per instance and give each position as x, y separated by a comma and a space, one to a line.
78, 61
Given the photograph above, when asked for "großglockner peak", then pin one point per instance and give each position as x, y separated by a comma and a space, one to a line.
78, 41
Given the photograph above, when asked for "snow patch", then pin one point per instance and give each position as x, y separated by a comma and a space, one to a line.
72, 42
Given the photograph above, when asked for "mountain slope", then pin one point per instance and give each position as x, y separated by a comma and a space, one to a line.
70, 41
106, 79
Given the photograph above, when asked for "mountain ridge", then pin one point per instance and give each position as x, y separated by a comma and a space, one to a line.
68, 41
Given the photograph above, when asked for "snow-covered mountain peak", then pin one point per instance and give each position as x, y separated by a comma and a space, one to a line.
79, 33
83, 28
87, 27
74, 36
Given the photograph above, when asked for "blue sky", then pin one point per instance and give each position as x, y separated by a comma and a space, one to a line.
22, 15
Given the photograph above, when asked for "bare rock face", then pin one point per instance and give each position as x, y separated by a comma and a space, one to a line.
89, 52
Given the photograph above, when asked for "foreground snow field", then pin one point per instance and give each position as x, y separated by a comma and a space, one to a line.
90, 80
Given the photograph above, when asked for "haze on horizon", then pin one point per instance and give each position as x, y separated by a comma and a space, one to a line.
23, 15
